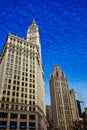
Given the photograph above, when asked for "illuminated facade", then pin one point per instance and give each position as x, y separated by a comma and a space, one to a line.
22, 99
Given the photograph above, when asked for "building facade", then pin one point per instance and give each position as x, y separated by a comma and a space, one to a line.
60, 101
22, 98
74, 108
49, 117
80, 103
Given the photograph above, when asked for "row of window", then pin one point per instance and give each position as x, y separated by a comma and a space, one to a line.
18, 82
15, 116
25, 101
15, 42
19, 54
22, 50
13, 125
18, 71
17, 88
17, 107
17, 94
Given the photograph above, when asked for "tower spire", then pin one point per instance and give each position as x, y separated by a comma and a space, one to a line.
34, 19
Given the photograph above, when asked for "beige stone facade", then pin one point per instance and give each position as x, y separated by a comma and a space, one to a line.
60, 101
22, 99
74, 108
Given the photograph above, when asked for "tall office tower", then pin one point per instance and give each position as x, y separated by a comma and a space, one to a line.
80, 103
49, 117
60, 101
74, 108
22, 99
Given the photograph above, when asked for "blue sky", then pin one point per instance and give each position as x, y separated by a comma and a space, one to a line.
63, 31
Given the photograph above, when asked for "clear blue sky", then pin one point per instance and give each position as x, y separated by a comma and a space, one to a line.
63, 30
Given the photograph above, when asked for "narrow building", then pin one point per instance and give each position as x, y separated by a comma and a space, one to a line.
49, 117
22, 97
74, 108
60, 101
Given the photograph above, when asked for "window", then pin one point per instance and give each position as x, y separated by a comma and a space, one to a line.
22, 100
33, 96
17, 88
18, 77
4, 92
31, 125
25, 84
13, 125
26, 79
23, 125
12, 99
33, 91
2, 105
14, 82
3, 98
3, 115
33, 108
22, 89
7, 106
13, 87
16, 107
5, 81
25, 89
25, 95
9, 81
33, 86
5, 85
32, 117
17, 94
33, 102
30, 85
7, 99
9, 86
3, 124
13, 93
26, 74
26, 101
29, 108
22, 83
8, 93
21, 107
14, 116
12, 106
33, 81
23, 116
17, 100
22, 95
18, 82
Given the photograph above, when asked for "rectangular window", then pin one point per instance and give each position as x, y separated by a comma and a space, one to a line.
14, 116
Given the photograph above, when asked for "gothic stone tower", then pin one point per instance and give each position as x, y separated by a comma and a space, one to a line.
60, 101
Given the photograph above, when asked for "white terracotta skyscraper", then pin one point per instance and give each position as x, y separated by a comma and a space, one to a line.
22, 98
60, 101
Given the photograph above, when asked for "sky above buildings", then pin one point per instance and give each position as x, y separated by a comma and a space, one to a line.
63, 32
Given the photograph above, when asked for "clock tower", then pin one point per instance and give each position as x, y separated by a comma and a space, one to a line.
33, 37
33, 33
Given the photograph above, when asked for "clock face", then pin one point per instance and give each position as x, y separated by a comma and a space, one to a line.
32, 34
